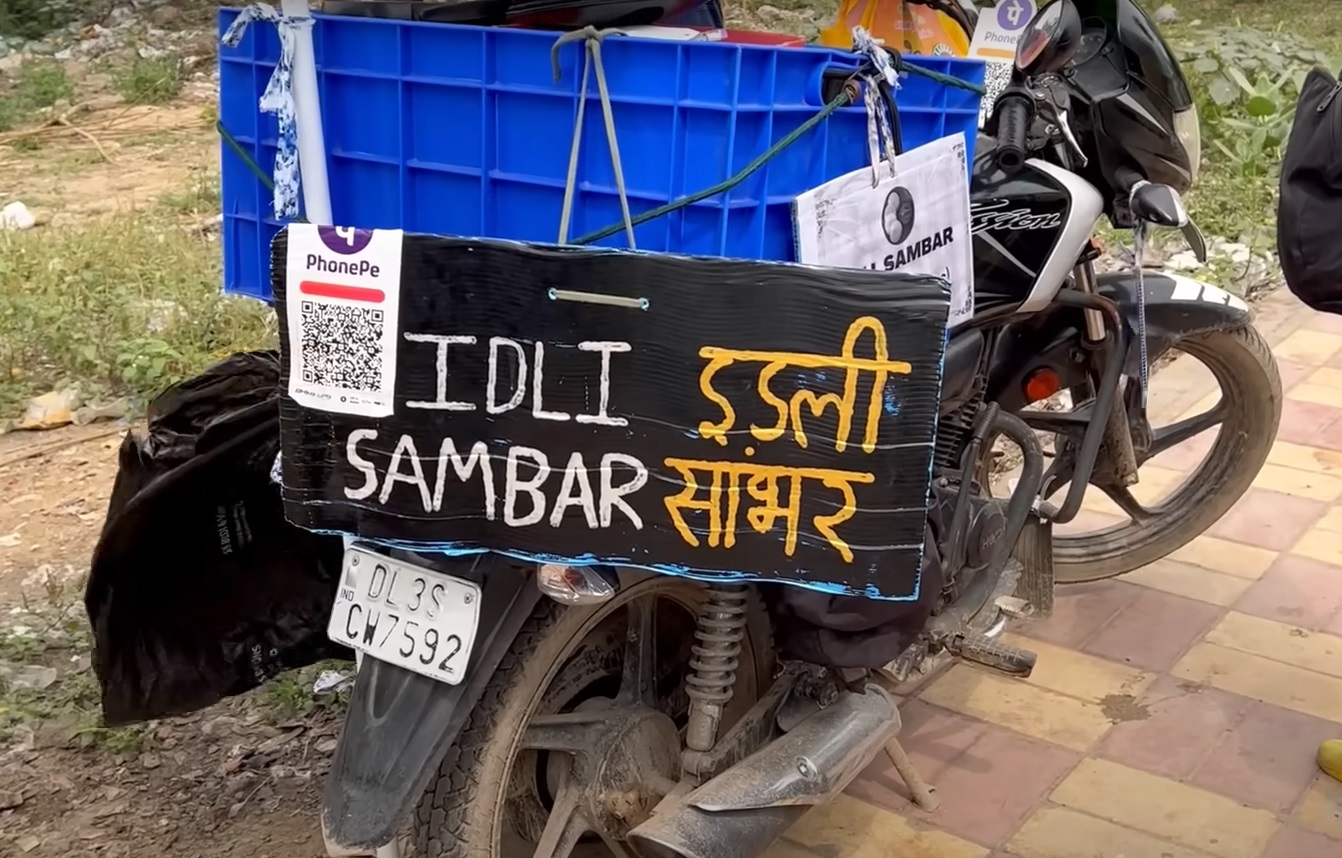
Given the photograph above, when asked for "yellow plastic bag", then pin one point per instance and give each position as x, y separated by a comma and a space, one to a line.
907, 27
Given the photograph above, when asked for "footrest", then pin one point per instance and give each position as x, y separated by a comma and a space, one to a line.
1034, 552
994, 654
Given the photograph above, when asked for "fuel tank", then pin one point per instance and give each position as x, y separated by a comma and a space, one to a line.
1029, 229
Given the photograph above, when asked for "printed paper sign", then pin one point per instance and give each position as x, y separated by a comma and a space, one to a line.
715, 418
994, 42
915, 222
344, 289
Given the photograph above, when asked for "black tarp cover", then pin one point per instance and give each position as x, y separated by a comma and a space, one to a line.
702, 468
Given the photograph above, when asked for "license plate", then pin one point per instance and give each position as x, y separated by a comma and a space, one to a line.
406, 615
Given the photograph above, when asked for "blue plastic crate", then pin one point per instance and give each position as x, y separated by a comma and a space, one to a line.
460, 130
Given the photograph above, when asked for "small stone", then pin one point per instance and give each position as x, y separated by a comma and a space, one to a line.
150, 760
219, 727
1166, 14
10, 800
327, 746
165, 16
114, 809
30, 677
274, 744
27, 843
1183, 261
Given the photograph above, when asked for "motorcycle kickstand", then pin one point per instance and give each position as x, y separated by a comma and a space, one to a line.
924, 795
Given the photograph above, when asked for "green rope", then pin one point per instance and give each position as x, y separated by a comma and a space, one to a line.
841, 100
943, 79
248, 161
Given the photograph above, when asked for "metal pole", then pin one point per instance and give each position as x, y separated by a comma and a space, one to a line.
308, 110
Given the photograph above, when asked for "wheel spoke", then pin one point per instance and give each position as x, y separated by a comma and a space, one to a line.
638, 683
569, 732
617, 849
1177, 433
564, 828
1057, 475
1125, 501
1071, 423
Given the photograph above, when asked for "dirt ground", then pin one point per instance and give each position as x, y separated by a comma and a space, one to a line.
233, 780
239, 779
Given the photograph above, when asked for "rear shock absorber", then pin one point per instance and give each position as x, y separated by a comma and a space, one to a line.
713, 662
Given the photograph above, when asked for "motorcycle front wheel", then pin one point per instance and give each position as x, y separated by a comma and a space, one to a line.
1245, 420
577, 735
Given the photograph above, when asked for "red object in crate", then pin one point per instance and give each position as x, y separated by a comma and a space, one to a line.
750, 37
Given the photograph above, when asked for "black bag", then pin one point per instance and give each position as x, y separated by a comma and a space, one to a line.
1309, 209
200, 588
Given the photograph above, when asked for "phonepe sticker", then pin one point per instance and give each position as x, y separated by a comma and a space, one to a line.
994, 42
342, 305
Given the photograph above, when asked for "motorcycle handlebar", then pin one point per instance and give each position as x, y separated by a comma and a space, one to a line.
1127, 179
1014, 113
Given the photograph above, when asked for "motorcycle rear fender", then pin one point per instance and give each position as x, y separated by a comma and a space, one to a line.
1177, 307
400, 724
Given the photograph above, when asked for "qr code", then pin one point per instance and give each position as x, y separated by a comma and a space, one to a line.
341, 346
998, 77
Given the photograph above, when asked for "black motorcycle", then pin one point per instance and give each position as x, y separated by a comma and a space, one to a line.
655, 716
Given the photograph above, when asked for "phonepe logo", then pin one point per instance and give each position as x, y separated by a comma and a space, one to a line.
1014, 14
345, 241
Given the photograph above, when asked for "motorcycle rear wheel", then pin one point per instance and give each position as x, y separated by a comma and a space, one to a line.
1250, 410
492, 797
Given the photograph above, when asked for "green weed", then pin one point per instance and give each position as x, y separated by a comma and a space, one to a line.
150, 81
37, 85
123, 307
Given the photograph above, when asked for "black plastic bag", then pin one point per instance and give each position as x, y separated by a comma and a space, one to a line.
200, 589
1310, 201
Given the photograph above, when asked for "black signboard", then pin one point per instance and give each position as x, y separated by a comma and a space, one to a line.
696, 416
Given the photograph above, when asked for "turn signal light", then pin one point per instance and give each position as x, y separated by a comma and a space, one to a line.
576, 585
1041, 384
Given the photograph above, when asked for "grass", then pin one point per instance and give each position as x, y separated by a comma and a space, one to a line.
121, 307
289, 696
149, 81
57, 636
33, 19
1245, 61
201, 198
37, 86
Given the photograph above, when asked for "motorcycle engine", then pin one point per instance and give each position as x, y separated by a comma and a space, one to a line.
984, 528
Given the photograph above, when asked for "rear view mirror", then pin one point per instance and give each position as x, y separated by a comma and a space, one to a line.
1050, 40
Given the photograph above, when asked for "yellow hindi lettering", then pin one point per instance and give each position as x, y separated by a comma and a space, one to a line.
718, 473
762, 487
790, 410
716, 431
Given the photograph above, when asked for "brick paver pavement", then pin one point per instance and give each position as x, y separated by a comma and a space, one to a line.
1175, 712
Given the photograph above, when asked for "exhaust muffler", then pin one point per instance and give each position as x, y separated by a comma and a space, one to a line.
739, 813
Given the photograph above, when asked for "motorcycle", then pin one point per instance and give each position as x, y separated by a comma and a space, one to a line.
624, 713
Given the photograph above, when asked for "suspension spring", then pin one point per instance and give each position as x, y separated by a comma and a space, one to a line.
713, 662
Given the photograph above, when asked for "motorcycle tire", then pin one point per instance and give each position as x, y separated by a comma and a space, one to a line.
1242, 364
463, 814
